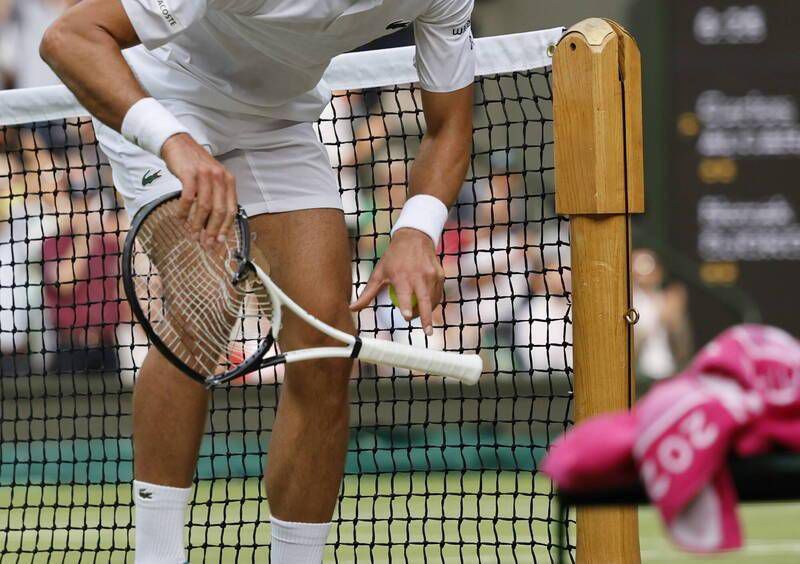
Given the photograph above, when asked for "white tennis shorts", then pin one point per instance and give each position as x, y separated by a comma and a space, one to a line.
279, 166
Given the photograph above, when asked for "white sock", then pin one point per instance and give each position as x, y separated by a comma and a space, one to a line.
297, 543
160, 518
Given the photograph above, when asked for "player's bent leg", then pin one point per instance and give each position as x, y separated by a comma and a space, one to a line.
309, 257
169, 416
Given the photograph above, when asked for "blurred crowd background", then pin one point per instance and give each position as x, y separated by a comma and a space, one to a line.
718, 245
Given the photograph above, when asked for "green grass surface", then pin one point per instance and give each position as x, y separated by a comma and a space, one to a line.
471, 518
413, 517
772, 535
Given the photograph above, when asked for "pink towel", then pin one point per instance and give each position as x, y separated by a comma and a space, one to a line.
741, 394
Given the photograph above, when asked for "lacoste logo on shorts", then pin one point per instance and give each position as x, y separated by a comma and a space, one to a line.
148, 178
166, 14
144, 494
399, 24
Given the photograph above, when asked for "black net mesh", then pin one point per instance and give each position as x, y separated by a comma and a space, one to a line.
437, 472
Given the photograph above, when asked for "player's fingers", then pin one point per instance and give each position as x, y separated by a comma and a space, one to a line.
232, 207
188, 196
202, 205
425, 305
405, 298
374, 285
190, 217
437, 295
219, 210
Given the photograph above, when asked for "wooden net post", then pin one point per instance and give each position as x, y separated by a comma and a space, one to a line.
599, 183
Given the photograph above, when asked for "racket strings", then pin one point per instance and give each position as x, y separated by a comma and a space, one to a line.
188, 324
207, 311
189, 297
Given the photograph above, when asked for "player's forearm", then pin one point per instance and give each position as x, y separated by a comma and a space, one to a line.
438, 173
444, 154
442, 163
87, 57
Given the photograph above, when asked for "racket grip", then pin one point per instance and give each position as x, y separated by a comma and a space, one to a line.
465, 367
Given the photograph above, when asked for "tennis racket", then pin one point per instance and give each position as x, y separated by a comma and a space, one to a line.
216, 314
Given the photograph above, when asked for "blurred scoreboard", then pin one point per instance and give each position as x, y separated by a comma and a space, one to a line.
733, 192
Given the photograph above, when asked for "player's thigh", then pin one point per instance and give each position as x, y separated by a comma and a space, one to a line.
309, 258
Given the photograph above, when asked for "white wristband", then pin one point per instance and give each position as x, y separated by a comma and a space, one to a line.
148, 124
424, 213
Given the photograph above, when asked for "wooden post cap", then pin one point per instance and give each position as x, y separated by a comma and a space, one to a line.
597, 103
593, 30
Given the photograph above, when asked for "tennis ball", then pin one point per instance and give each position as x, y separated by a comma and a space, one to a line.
396, 302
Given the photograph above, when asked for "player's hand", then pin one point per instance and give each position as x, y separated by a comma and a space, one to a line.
208, 200
410, 265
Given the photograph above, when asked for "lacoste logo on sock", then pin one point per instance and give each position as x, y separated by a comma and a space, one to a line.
144, 494
399, 24
148, 178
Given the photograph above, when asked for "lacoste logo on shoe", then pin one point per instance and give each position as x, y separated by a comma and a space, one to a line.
144, 494
399, 24
148, 178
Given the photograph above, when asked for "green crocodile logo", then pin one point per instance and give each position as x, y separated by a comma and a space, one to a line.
148, 178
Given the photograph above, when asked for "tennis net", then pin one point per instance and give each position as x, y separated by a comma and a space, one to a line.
436, 472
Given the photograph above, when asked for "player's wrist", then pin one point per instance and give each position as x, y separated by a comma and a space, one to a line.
412, 236
150, 125
175, 143
423, 213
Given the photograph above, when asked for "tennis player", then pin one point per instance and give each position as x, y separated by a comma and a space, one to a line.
217, 98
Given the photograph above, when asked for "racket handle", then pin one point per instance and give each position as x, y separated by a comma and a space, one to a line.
465, 367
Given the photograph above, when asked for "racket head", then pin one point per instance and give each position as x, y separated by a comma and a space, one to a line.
207, 312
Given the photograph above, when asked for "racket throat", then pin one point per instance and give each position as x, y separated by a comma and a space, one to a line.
243, 271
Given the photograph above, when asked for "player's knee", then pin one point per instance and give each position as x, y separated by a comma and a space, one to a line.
322, 385
301, 335
332, 398
327, 378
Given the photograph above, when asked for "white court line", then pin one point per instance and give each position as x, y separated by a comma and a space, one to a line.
753, 548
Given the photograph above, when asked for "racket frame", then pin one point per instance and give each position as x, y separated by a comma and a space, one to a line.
129, 251
466, 368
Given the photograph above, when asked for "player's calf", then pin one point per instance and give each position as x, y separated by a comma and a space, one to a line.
169, 418
308, 444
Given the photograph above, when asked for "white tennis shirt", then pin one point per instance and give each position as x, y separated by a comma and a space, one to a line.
267, 57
